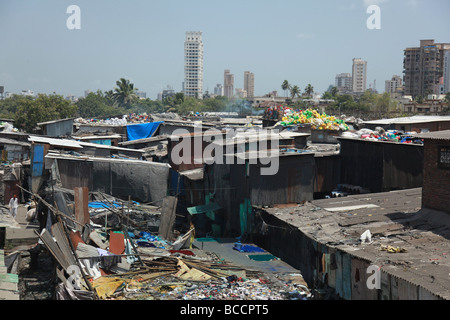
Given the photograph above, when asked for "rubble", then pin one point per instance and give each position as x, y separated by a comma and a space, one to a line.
116, 257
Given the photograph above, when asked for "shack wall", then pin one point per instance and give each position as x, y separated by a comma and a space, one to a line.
59, 128
435, 190
381, 166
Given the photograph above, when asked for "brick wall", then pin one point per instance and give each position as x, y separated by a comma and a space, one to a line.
436, 181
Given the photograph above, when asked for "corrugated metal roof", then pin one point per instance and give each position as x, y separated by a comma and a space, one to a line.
438, 135
56, 142
413, 119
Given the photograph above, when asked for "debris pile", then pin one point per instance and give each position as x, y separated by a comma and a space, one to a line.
116, 252
318, 121
379, 134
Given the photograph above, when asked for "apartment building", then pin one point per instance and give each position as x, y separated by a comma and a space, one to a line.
193, 65
423, 68
359, 75
249, 83
228, 84
344, 83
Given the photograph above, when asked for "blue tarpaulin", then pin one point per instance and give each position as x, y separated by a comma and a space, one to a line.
99, 204
142, 130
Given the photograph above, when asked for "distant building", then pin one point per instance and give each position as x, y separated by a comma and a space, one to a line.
27, 93
218, 90
228, 84
168, 92
446, 74
249, 83
241, 93
359, 76
72, 98
86, 92
344, 83
424, 67
193, 65
141, 94
394, 85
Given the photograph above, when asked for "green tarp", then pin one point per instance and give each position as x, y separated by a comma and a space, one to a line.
204, 208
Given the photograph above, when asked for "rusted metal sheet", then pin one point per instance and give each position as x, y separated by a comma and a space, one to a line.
116, 242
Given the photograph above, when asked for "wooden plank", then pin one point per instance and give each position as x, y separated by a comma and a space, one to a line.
168, 211
81, 206
8, 286
9, 295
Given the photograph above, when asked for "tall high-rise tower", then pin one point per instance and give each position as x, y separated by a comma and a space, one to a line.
249, 83
193, 65
228, 84
359, 75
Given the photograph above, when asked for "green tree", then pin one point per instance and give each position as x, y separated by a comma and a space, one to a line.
9, 106
125, 93
447, 98
41, 109
334, 91
327, 95
367, 101
344, 102
384, 103
419, 99
285, 86
96, 104
309, 90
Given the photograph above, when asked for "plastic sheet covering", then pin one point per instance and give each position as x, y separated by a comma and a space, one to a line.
145, 182
142, 130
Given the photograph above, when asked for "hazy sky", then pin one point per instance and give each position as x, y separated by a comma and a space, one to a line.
299, 41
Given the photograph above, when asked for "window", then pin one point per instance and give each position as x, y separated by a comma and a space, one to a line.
444, 157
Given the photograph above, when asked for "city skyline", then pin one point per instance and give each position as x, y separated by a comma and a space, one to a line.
299, 41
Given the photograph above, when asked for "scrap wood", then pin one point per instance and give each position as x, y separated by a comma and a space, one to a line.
105, 286
149, 276
208, 271
118, 212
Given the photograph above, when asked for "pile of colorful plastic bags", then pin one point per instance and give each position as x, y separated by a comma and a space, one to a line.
317, 120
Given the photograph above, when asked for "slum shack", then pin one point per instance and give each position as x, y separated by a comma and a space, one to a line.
14, 150
108, 140
238, 186
56, 128
418, 123
381, 165
145, 181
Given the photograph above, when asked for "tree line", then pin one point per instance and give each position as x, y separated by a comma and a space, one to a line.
27, 111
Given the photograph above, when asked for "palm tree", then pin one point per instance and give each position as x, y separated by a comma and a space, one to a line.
125, 93
285, 86
109, 95
309, 90
295, 91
